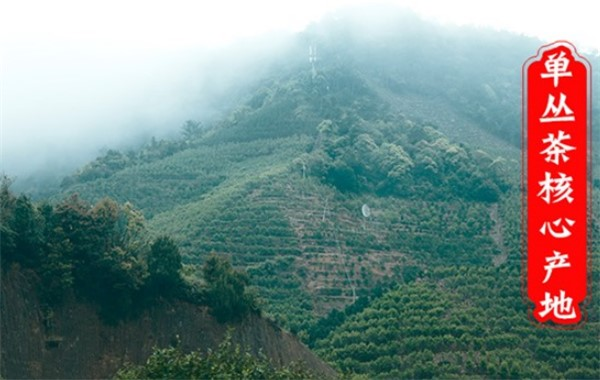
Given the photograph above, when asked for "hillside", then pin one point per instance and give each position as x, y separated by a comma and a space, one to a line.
279, 184
460, 322
74, 343
85, 290
420, 123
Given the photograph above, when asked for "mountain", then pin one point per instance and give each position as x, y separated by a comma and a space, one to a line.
420, 123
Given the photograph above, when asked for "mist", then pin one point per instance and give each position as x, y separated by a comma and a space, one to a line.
62, 104
66, 94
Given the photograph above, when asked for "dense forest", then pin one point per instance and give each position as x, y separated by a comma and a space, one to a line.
263, 212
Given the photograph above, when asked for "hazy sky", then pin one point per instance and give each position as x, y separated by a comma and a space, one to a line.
76, 75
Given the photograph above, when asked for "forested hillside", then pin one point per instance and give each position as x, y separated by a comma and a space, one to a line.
373, 199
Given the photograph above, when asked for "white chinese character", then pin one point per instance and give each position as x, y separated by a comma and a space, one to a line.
559, 260
556, 67
562, 108
557, 149
556, 188
561, 307
565, 233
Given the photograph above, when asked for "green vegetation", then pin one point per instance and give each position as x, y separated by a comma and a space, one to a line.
425, 131
228, 361
226, 289
284, 203
460, 322
164, 266
103, 255
96, 252
399, 158
185, 175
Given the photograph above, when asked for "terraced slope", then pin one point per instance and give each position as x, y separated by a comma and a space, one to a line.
426, 133
461, 322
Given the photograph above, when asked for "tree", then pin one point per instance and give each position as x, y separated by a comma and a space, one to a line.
94, 242
164, 266
106, 215
191, 129
120, 278
342, 177
7, 234
75, 220
226, 290
26, 224
56, 271
135, 235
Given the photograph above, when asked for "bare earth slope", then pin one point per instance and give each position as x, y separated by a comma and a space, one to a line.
75, 343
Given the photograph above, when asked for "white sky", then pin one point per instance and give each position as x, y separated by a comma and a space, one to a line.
37, 38
181, 23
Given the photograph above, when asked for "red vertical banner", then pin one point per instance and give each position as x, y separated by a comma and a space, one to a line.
557, 181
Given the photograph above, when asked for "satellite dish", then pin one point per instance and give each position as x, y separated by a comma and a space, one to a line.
366, 211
